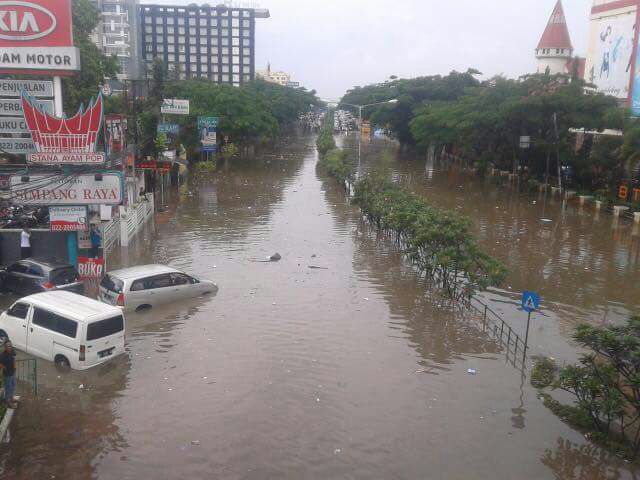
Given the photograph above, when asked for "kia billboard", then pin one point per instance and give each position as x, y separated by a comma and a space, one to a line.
37, 35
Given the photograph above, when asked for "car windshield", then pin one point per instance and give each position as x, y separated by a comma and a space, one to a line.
112, 284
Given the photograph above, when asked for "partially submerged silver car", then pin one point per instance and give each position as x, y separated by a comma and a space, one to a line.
143, 287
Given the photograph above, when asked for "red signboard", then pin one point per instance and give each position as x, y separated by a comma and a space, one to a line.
163, 167
89, 268
36, 23
37, 35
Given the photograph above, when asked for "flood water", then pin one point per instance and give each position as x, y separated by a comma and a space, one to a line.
353, 370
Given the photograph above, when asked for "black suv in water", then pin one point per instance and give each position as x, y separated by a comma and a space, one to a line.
34, 275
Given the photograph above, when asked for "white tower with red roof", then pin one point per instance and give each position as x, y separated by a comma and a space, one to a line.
555, 52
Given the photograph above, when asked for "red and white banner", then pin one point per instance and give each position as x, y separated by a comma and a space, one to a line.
37, 35
89, 268
68, 219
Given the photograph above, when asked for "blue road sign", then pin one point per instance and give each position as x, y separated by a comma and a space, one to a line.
530, 301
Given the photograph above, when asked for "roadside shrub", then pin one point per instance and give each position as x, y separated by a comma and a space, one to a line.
438, 242
605, 385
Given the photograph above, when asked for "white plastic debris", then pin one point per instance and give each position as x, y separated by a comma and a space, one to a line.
472, 371
195, 442
81, 386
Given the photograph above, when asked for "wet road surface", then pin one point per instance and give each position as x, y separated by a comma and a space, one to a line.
348, 371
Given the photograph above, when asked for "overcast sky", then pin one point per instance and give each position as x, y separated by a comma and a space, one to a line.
332, 45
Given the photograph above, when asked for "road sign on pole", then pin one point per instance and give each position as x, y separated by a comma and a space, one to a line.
530, 301
530, 304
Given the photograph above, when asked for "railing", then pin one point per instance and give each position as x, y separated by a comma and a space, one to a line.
27, 372
515, 348
111, 234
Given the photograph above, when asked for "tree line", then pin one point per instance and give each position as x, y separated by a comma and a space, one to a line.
439, 243
482, 123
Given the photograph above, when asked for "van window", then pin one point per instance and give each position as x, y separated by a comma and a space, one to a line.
54, 322
105, 328
181, 279
112, 284
19, 310
64, 276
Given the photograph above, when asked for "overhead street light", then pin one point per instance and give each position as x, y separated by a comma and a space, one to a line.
360, 109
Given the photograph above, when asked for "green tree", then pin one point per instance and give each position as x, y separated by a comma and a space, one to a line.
83, 86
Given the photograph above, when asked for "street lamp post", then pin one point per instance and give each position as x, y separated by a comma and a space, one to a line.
360, 109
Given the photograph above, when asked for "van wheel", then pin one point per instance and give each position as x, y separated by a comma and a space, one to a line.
3, 336
62, 362
143, 308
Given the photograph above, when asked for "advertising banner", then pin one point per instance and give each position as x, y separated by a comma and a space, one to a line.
68, 219
84, 239
37, 35
90, 268
610, 53
635, 85
80, 189
207, 127
172, 106
57, 158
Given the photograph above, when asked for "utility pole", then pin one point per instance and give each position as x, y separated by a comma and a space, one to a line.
555, 128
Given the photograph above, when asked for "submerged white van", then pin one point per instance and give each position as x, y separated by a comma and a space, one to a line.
65, 328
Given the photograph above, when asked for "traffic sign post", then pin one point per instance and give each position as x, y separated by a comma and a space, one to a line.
530, 304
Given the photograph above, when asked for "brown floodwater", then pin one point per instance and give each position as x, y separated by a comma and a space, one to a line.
354, 370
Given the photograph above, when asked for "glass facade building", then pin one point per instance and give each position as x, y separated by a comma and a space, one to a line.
216, 43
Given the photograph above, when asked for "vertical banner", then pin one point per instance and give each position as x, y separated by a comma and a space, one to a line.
635, 78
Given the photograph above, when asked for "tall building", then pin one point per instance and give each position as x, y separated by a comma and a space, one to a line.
118, 34
612, 39
555, 51
281, 78
216, 43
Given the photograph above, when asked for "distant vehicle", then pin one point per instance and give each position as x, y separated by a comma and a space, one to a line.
146, 286
35, 275
65, 328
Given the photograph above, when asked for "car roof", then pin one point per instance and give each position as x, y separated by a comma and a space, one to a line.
48, 263
141, 271
71, 305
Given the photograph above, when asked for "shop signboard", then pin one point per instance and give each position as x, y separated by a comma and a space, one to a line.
60, 141
37, 35
35, 88
13, 106
68, 218
173, 106
169, 128
80, 189
17, 146
90, 268
13, 125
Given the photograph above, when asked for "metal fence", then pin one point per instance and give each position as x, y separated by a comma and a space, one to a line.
27, 372
515, 348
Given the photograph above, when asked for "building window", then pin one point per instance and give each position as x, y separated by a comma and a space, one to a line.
225, 41
246, 33
225, 32
236, 42
246, 52
225, 68
235, 22
246, 60
236, 69
225, 78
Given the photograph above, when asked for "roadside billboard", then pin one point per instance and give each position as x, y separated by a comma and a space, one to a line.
90, 268
37, 35
207, 127
68, 219
173, 106
610, 51
79, 189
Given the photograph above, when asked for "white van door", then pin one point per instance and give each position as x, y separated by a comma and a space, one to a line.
47, 328
16, 322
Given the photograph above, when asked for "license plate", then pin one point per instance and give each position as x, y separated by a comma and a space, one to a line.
106, 353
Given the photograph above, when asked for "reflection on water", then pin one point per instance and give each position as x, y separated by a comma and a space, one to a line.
351, 369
